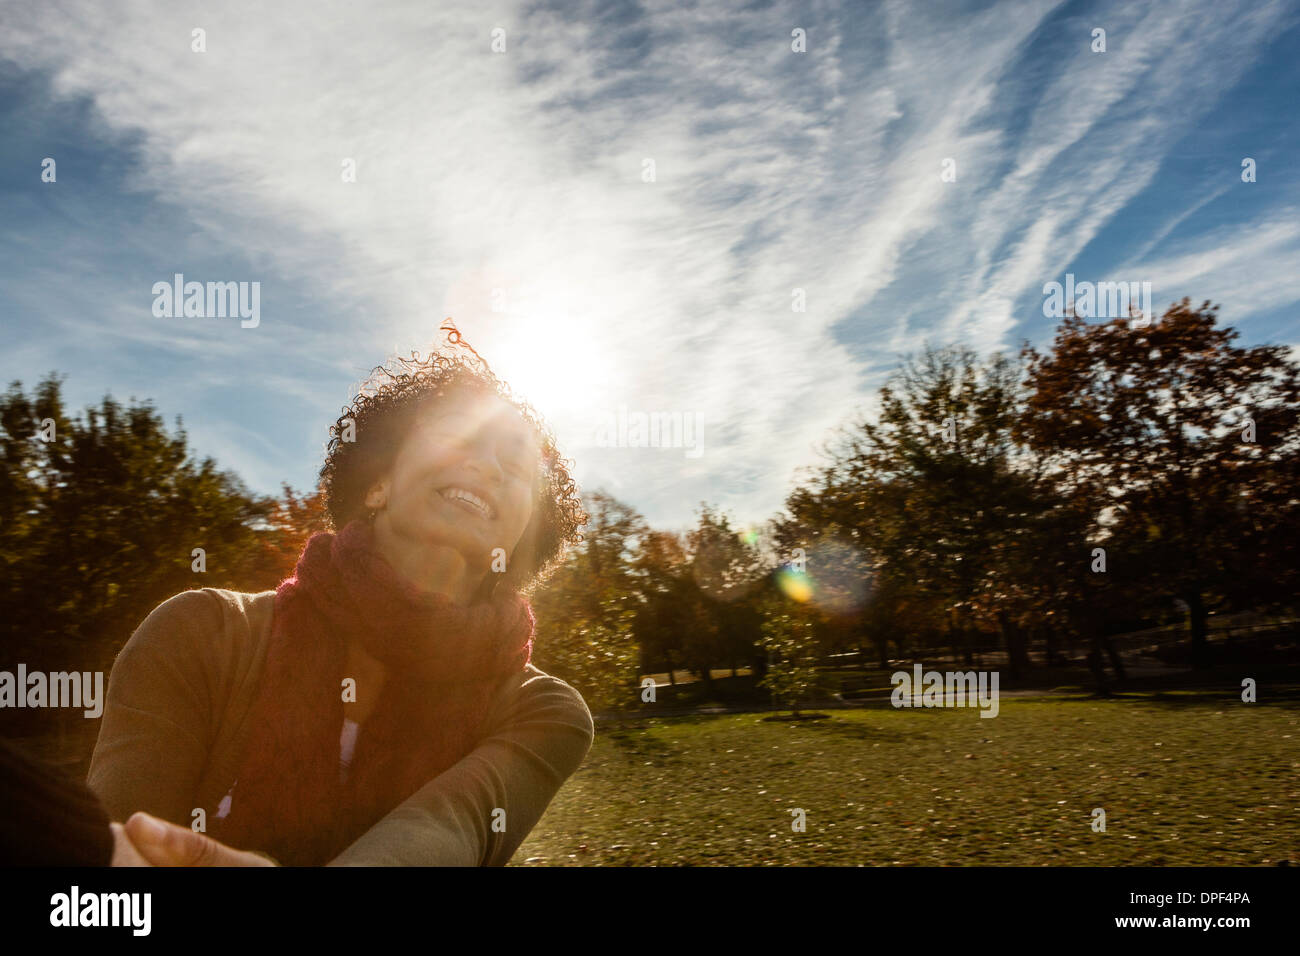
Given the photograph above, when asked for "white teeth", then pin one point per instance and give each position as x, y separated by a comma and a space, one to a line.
460, 494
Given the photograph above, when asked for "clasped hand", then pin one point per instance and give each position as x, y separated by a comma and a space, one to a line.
145, 840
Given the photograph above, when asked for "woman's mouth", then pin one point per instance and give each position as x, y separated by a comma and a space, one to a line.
468, 501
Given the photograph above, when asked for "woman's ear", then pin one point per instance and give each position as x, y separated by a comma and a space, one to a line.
377, 496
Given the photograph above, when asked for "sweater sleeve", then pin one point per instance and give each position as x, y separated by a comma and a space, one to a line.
479, 811
154, 740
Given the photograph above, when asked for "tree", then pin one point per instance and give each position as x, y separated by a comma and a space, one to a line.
726, 571
1184, 447
587, 610
939, 495
663, 619
789, 639
103, 516
293, 520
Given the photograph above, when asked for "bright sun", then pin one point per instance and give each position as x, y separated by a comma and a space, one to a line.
552, 364
534, 328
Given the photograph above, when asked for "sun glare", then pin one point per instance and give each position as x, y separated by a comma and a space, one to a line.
535, 331
552, 363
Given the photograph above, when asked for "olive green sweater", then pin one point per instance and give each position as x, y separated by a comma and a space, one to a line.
177, 717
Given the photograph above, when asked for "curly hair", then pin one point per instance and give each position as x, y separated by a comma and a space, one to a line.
365, 440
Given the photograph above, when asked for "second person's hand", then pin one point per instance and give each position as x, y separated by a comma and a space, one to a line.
165, 844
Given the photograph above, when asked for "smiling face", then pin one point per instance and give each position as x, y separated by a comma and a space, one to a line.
465, 477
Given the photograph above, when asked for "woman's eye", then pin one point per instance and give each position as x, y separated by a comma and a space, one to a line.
459, 439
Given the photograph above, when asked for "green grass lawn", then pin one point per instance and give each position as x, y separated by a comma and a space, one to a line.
1183, 781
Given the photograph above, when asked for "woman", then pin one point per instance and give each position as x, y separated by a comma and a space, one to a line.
379, 707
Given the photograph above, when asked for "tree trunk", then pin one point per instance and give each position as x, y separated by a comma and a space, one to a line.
1051, 651
1012, 640
1009, 641
954, 636
1197, 620
964, 635
1116, 662
1098, 670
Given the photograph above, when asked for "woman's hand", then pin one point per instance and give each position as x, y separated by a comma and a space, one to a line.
124, 851
165, 844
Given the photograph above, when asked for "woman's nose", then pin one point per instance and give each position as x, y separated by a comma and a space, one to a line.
483, 461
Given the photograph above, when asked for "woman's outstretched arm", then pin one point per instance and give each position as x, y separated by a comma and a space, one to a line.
154, 740
508, 780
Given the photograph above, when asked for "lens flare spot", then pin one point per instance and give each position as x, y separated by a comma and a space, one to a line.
795, 585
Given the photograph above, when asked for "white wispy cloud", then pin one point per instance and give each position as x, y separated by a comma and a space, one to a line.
1252, 267
515, 179
1096, 138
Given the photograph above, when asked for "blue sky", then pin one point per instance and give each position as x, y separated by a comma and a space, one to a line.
523, 172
